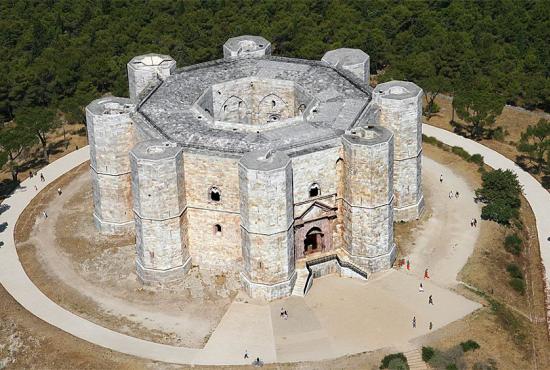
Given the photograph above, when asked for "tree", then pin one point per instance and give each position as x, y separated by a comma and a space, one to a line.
535, 141
14, 140
478, 107
38, 121
500, 192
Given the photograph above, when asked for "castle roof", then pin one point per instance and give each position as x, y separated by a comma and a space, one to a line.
180, 108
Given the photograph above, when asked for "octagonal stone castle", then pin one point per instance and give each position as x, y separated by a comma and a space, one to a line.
285, 168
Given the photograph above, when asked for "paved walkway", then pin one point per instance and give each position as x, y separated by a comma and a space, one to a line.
259, 327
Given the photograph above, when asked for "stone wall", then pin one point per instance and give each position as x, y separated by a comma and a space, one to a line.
147, 69
158, 189
314, 168
208, 247
267, 232
368, 194
111, 136
400, 106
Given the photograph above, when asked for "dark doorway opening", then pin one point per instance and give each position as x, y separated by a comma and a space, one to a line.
313, 241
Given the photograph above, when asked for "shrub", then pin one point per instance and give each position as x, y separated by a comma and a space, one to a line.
461, 152
469, 345
427, 353
514, 271
518, 285
451, 367
477, 159
512, 244
395, 361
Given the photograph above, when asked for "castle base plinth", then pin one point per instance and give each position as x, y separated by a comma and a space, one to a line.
113, 228
409, 213
375, 264
268, 292
160, 277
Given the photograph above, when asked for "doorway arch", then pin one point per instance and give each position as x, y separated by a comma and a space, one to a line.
313, 242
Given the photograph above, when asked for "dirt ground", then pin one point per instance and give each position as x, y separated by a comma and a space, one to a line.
94, 275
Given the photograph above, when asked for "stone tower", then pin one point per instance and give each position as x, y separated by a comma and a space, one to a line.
368, 196
111, 136
246, 46
400, 105
147, 69
159, 203
267, 235
355, 61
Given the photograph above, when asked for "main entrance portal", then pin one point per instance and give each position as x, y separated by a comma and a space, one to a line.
313, 230
313, 241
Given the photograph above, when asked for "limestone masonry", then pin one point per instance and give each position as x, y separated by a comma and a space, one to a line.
260, 162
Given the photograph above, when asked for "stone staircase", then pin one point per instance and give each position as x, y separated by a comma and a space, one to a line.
414, 358
301, 279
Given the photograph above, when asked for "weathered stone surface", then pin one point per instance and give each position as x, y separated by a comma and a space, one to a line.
355, 61
246, 46
255, 161
111, 136
400, 110
148, 69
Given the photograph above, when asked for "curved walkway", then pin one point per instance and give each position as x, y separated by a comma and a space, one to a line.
17, 283
536, 195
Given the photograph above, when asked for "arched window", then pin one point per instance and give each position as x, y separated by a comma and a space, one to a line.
214, 194
217, 229
314, 190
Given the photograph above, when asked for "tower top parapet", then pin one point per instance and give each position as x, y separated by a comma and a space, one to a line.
246, 46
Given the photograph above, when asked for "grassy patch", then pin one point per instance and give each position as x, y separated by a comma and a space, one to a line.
469, 345
512, 244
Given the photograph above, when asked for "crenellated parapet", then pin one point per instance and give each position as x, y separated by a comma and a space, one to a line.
265, 182
368, 197
111, 135
158, 189
246, 46
400, 110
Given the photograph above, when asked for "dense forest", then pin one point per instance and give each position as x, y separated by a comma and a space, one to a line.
62, 54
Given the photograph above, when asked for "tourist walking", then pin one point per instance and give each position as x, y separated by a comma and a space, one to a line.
282, 311
42, 179
451, 194
45, 214
59, 191
456, 194
475, 222
245, 354
408, 265
421, 288
35, 187
426, 274
431, 325
31, 174
430, 300
414, 321
441, 179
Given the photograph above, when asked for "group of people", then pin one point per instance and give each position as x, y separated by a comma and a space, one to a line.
473, 222
257, 362
430, 326
284, 314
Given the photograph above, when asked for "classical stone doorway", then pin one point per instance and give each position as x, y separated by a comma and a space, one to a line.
313, 241
313, 230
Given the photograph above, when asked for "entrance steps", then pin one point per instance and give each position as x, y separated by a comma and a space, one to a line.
414, 359
301, 280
